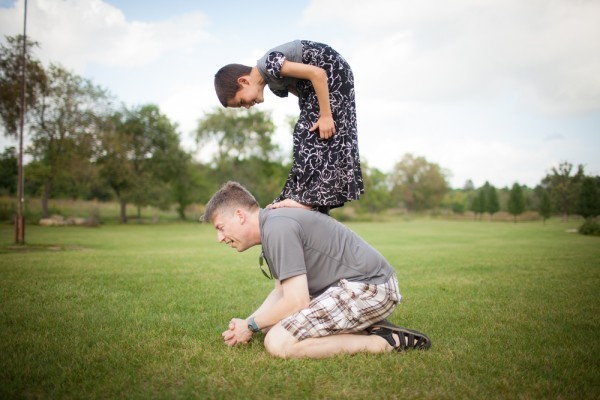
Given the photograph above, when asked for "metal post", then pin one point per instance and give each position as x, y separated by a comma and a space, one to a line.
20, 218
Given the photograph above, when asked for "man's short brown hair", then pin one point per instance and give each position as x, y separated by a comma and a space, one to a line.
231, 195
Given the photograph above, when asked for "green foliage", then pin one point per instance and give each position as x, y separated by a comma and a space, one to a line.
492, 203
478, 202
516, 201
8, 208
8, 172
140, 158
64, 127
137, 311
486, 200
377, 195
457, 200
590, 227
238, 134
545, 208
589, 198
563, 187
418, 184
11, 81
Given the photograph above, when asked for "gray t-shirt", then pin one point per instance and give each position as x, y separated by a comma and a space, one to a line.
297, 241
270, 64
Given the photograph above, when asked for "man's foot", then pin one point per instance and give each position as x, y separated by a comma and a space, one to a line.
400, 338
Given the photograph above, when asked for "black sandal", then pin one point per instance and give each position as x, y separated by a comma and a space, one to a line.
409, 339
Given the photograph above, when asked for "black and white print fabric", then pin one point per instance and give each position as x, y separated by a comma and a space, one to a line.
325, 172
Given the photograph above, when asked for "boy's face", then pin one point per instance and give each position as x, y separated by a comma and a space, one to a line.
248, 95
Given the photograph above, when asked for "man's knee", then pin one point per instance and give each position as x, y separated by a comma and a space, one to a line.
279, 342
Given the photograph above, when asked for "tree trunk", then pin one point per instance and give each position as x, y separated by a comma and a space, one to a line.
123, 205
181, 212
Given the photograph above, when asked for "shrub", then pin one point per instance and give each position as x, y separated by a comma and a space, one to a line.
590, 227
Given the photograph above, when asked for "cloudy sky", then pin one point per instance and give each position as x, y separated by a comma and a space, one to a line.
496, 90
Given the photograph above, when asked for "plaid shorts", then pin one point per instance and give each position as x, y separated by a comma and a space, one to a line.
348, 308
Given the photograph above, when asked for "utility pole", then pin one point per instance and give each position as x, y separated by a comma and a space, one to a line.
20, 218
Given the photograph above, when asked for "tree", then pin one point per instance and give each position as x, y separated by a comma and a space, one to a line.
11, 67
140, 156
8, 171
492, 205
478, 203
589, 198
418, 184
516, 201
545, 208
468, 186
64, 127
456, 200
564, 187
377, 195
244, 150
114, 160
237, 134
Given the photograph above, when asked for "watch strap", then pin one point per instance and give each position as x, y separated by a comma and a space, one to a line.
252, 325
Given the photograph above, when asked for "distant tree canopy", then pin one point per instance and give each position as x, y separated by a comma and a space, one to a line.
8, 172
545, 208
516, 201
589, 199
418, 184
11, 83
238, 134
64, 125
563, 186
486, 200
139, 155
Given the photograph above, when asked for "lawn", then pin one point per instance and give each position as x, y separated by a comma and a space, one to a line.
136, 312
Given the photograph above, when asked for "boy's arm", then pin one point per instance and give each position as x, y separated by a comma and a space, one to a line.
318, 77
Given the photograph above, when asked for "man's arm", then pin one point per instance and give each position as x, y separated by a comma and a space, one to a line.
292, 297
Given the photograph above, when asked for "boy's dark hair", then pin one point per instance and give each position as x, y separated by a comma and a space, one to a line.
231, 195
226, 84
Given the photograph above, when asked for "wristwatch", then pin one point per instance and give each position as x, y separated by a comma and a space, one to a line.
252, 325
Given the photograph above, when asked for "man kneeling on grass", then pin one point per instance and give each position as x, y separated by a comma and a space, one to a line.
332, 291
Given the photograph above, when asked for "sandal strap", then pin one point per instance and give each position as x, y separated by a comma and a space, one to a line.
387, 334
409, 339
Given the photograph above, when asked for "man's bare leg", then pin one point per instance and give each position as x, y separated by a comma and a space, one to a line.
280, 343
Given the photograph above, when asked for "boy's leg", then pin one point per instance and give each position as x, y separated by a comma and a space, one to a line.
280, 342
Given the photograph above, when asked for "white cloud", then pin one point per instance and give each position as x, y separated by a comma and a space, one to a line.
542, 52
77, 33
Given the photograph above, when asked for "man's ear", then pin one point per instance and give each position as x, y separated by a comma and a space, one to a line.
241, 215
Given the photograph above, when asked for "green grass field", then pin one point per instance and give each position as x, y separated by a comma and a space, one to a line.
136, 312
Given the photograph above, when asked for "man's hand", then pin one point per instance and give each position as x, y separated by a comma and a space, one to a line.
238, 332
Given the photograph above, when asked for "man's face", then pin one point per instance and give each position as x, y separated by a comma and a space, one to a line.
232, 229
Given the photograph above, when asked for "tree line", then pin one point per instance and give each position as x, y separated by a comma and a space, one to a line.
85, 145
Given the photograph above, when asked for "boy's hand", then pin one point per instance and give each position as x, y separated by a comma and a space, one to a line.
288, 203
326, 127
